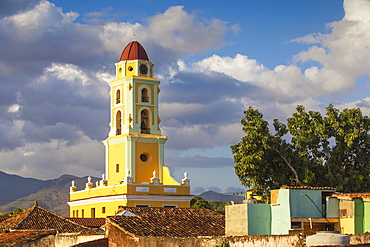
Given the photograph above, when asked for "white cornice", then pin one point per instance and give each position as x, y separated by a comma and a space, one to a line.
118, 198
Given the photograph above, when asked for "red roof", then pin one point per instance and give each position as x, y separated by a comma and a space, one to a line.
18, 238
38, 218
134, 51
170, 226
89, 222
174, 222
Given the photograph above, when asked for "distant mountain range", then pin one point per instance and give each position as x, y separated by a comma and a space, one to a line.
20, 192
212, 196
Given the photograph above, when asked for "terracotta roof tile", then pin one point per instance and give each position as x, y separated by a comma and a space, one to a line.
307, 188
38, 218
173, 226
352, 195
15, 238
89, 222
3, 218
164, 211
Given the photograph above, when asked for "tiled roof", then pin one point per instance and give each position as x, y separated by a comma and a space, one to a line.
307, 188
134, 50
89, 222
38, 218
351, 196
164, 211
172, 226
16, 238
2, 218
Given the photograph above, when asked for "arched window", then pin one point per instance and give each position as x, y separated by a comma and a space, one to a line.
118, 96
118, 123
145, 123
144, 95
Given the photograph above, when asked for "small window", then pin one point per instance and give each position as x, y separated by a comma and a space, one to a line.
103, 210
296, 225
145, 122
117, 168
76, 213
73, 213
118, 123
142, 205
92, 212
118, 96
82, 213
343, 213
130, 68
143, 157
144, 95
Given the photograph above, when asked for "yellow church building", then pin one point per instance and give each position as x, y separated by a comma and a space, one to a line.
135, 174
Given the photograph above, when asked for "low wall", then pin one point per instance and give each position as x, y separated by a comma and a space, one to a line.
118, 239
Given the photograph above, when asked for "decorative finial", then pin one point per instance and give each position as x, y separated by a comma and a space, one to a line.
35, 204
103, 176
89, 179
154, 174
128, 173
73, 183
185, 175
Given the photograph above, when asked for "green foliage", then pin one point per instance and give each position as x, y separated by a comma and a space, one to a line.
224, 245
199, 202
13, 213
328, 150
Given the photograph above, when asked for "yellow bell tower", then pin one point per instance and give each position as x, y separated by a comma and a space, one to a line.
135, 174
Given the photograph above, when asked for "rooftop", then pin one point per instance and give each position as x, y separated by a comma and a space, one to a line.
173, 226
38, 218
167, 211
134, 51
17, 238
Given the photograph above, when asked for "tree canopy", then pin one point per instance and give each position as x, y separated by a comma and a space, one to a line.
310, 150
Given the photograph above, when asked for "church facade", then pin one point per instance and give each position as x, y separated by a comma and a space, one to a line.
135, 174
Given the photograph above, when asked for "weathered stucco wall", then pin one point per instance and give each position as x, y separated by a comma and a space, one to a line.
236, 220
118, 238
69, 239
48, 241
367, 217
302, 206
259, 219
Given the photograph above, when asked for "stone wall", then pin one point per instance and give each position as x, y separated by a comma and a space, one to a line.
48, 241
117, 238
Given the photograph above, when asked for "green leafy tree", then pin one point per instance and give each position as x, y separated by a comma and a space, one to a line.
328, 150
217, 206
13, 213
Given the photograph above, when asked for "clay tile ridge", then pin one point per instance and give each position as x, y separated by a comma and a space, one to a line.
38, 218
307, 188
134, 51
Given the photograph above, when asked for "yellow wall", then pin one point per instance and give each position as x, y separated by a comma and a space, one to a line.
144, 170
117, 155
130, 73
104, 193
347, 220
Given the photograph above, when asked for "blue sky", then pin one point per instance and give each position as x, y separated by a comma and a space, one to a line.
213, 58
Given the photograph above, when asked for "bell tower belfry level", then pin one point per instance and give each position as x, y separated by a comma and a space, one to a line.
135, 174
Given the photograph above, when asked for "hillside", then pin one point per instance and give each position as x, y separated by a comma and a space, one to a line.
212, 196
13, 187
53, 196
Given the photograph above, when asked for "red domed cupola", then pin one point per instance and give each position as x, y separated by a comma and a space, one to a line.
134, 51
